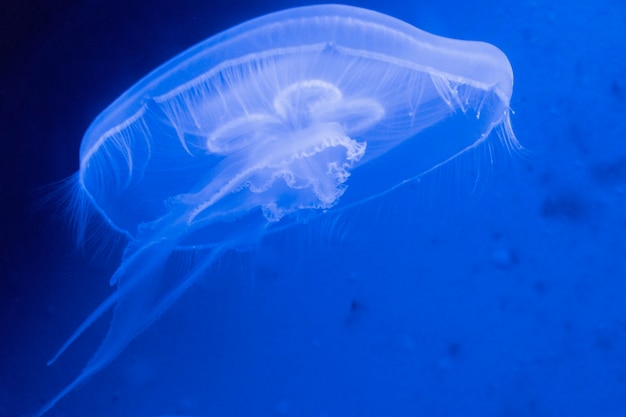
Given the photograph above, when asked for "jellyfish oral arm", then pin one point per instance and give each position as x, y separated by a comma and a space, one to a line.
304, 144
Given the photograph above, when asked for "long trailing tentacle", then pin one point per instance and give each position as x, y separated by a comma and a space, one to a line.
137, 307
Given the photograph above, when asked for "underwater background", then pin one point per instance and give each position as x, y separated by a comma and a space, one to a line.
492, 289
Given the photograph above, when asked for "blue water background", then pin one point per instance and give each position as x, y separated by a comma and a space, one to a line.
498, 291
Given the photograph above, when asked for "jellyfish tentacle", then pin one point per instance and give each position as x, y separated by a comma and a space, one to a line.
138, 303
135, 261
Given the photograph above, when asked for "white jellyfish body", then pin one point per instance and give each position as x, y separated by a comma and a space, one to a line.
275, 116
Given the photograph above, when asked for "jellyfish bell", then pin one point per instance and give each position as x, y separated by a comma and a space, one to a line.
280, 115
274, 75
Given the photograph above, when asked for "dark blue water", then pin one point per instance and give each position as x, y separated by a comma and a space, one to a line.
489, 290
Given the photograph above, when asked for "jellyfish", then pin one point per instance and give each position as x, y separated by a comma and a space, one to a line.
263, 126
